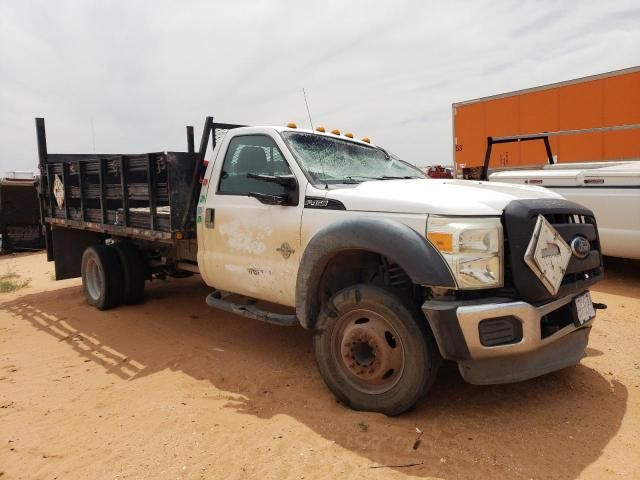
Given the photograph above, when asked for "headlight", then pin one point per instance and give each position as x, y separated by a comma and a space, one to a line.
472, 247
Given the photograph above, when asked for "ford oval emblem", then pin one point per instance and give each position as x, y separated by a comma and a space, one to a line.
580, 247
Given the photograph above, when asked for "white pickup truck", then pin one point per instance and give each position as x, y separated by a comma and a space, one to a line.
392, 271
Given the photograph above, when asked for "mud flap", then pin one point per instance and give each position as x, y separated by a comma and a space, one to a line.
68, 246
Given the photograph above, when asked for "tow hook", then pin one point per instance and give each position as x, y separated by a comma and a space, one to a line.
599, 306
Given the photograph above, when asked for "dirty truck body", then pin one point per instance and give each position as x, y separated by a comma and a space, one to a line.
392, 271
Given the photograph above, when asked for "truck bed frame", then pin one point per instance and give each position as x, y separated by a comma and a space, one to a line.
151, 196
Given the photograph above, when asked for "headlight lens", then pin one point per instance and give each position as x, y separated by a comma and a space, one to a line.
472, 247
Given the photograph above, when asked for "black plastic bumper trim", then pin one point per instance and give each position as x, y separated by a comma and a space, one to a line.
444, 324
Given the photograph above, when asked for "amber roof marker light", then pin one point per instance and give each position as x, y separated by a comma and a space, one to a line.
292, 125
320, 129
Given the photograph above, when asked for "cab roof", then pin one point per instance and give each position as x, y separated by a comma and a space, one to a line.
341, 136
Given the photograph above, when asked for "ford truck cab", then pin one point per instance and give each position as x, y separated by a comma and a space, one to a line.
392, 270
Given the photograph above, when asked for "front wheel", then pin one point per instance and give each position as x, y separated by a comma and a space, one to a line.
374, 351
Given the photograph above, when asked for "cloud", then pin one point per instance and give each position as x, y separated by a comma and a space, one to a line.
141, 71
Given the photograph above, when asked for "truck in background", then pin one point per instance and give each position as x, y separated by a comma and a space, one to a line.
438, 171
390, 270
20, 226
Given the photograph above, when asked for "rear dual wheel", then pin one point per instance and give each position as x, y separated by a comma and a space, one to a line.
374, 350
112, 275
134, 272
102, 276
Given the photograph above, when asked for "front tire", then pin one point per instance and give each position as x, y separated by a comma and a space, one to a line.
374, 351
102, 277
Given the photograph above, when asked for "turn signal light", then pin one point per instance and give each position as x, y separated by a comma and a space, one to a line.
291, 125
442, 241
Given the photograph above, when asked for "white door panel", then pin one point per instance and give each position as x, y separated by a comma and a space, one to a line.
249, 248
253, 249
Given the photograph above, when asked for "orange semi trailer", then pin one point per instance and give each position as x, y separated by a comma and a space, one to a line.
604, 100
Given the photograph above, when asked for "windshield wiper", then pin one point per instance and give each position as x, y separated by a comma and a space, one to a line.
387, 177
355, 179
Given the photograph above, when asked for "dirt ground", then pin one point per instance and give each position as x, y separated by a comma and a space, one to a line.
175, 389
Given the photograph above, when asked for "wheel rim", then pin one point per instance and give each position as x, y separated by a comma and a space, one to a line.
93, 280
368, 351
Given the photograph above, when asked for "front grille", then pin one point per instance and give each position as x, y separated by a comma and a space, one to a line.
570, 220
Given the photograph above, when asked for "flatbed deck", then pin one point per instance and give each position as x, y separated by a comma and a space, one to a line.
149, 196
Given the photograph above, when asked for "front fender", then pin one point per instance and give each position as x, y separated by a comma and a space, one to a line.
399, 243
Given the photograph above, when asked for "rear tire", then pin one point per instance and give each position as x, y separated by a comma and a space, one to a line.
374, 350
176, 273
134, 272
102, 277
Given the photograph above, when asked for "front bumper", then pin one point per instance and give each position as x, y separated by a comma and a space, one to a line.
456, 327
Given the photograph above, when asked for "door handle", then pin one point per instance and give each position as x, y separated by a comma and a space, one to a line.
209, 217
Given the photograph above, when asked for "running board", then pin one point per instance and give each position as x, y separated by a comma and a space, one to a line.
215, 300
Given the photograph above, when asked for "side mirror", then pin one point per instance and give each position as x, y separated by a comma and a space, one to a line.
289, 183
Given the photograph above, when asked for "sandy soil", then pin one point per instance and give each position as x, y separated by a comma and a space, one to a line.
174, 389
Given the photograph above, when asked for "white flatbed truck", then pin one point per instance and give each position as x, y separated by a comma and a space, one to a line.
391, 270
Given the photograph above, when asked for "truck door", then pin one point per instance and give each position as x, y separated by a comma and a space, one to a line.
250, 247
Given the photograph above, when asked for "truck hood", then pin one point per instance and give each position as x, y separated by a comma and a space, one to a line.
435, 196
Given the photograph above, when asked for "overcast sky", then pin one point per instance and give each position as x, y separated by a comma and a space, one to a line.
141, 71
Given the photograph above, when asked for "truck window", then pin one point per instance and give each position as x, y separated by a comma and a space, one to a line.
256, 154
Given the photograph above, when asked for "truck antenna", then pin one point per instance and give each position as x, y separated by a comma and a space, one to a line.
307, 104
326, 185
93, 136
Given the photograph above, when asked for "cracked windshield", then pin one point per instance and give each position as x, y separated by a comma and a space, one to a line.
334, 161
